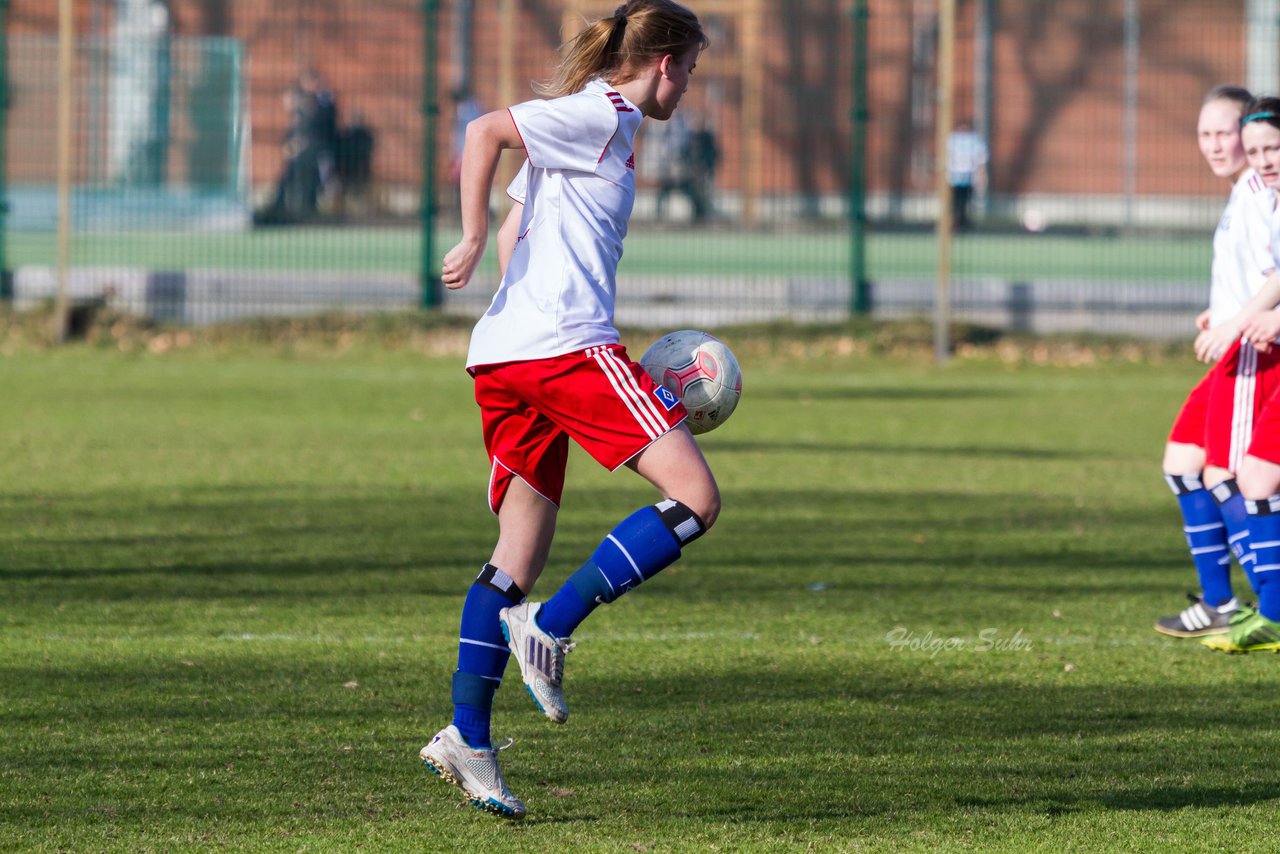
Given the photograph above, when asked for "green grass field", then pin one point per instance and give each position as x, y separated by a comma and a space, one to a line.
232, 576
708, 252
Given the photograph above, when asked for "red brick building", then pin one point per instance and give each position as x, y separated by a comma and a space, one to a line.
1071, 112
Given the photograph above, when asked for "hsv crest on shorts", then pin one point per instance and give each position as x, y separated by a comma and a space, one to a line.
666, 397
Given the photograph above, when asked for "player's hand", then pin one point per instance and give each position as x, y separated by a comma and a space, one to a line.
1211, 344
1202, 320
460, 263
1261, 330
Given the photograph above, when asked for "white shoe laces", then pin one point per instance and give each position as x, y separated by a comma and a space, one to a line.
562, 647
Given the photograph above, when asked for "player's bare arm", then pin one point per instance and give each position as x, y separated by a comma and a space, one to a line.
487, 136
507, 236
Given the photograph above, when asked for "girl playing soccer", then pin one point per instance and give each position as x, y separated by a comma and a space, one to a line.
1259, 472
1212, 429
548, 367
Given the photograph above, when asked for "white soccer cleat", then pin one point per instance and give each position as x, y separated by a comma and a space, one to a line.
541, 658
475, 772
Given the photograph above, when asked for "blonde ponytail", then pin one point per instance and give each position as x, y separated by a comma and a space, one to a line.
615, 47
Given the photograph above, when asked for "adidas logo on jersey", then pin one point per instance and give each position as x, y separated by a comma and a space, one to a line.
619, 103
631, 161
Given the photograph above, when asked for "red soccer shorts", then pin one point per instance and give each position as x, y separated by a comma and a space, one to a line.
598, 397
1188, 427
1266, 432
1242, 381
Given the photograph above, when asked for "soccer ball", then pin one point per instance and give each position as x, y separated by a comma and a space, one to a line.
700, 370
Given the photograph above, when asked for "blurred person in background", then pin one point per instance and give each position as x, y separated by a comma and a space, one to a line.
353, 161
308, 171
683, 154
966, 171
297, 186
320, 107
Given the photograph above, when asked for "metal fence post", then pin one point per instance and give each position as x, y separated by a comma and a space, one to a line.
945, 118
5, 280
861, 291
431, 296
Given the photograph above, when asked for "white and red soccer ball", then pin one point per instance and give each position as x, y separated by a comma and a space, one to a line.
700, 370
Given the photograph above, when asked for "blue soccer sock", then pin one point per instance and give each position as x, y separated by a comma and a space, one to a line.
1264, 542
643, 544
482, 653
1236, 517
1206, 537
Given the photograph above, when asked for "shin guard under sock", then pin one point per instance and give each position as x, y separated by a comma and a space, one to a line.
1236, 517
643, 544
482, 653
1264, 542
1206, 537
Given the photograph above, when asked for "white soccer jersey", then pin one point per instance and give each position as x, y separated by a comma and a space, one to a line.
1241, 247
578, 188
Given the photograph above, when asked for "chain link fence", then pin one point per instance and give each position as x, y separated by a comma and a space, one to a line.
237, 158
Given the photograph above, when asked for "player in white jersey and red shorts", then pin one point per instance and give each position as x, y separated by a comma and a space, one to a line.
549, 367
1259, 470
1214, 426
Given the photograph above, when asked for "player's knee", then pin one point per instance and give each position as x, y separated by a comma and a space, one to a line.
706, 507
1254, 482
1182, 459
686, 522
701, 495
710, 509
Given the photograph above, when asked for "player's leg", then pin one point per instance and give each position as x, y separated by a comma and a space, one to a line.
1240, 401
675, 465
1259, 483
638, 548
650, 539
463, 753
619, 417
526, 525
528, 456
1204, 527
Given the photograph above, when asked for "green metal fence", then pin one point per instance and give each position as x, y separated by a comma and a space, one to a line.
237, 158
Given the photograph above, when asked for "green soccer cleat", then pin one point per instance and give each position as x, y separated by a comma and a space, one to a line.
1242, 613
1254, 634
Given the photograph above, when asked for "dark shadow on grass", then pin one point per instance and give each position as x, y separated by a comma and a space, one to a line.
1168, 798
964, 452
815, 741
334, 544
800, 391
